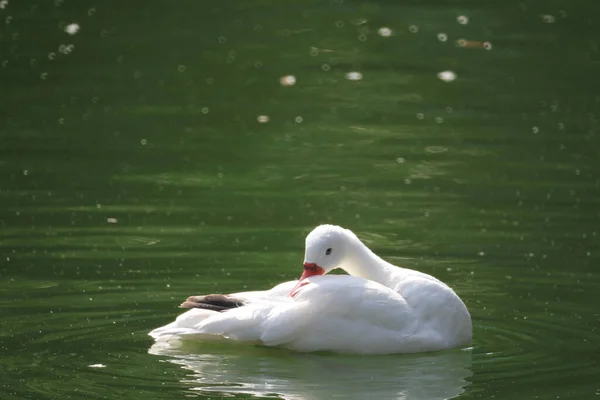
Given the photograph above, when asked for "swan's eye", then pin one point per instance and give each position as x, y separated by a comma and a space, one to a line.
328, 251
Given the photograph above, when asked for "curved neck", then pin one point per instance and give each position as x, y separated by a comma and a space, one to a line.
362, 262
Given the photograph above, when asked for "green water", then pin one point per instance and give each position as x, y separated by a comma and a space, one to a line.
135, 170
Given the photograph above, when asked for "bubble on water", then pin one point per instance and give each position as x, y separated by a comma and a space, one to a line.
447, 76
3, 4
262, 119
220, 175
111, 220
442, 37
548, 19
384, 31
72, 29
25, 172
408, 181
209, 81
181, 68
413, 28
222, 39
8, 19
204, 110
314, 51
535, 130
487, 45
439, 120
298, 119
288, 80
400, 160
61, 121
354, 76
362, 37
462, 19
339, 24
144, 142
91, 12
257, 64
51, 55
357, 216
325, 67
449, 110
420, 115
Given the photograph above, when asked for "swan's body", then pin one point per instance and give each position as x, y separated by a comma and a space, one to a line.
378, 309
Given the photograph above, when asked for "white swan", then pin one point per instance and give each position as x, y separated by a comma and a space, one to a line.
377, 309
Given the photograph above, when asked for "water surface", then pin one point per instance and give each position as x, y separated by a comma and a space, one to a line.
151, 152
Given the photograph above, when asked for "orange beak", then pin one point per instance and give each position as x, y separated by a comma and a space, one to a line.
310, 269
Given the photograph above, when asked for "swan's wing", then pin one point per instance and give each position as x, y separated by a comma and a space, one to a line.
332, 313
222, 302
281, 290
209, 307
183, 324
341, 313
314, 312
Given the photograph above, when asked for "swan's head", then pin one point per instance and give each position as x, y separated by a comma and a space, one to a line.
326, 249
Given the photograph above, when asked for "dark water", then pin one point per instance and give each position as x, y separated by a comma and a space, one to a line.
155, 152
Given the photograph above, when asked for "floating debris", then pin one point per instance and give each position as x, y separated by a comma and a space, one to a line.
385, 31
288, 80
447, 76
354, 76
72, 29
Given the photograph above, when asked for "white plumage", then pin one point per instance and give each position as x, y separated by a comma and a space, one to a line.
377, 309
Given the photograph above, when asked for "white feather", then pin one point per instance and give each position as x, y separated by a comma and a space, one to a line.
382, 309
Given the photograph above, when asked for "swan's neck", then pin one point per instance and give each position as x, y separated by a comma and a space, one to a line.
362, 262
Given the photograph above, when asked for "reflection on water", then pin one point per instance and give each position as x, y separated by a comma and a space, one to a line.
239, 369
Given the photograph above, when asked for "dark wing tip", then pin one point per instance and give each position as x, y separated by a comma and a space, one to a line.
215, 302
